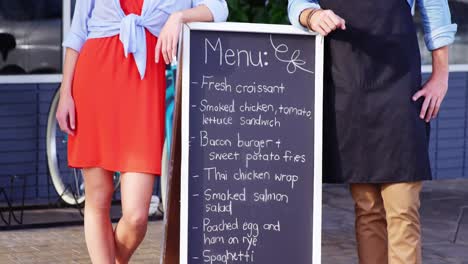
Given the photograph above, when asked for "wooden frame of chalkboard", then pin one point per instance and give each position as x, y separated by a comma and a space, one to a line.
313, 247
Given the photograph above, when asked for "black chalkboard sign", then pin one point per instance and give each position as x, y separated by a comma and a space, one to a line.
251, 144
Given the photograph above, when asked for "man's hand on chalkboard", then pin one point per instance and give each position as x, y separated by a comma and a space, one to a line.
325, 21
169, 38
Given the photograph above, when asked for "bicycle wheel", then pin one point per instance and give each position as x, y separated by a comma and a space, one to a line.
164, 175
170, 96
68, 182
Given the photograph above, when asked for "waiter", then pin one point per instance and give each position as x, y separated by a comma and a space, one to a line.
376, 114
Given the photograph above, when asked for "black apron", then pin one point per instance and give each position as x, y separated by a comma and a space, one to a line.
372, 130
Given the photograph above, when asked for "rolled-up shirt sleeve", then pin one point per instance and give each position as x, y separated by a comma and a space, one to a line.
78, 33
439, 31
218, 8
295, 8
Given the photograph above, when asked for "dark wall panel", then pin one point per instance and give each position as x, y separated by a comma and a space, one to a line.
449, 132
22, 139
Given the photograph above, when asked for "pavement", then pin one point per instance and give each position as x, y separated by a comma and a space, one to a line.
66, 245
442, 202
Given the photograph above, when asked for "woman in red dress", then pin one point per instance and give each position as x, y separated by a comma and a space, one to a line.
112, 106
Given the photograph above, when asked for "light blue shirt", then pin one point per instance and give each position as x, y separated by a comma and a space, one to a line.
438, 28
105, 18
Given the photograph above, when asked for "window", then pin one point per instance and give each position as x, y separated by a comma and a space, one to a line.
459, 49
30, 37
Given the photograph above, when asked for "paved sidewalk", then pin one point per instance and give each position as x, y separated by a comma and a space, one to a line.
66, 245
441, 202
440, 207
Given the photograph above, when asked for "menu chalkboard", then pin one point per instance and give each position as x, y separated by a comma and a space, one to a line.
251, 144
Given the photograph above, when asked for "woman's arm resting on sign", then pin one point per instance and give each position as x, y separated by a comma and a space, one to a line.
66, 109
169, 36
435, 89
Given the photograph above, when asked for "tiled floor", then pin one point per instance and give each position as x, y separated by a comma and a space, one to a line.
440, 207
66, 245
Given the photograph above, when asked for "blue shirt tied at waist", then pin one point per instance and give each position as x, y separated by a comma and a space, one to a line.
438, 28
105, 18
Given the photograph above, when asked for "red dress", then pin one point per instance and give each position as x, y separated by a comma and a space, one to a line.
119, 117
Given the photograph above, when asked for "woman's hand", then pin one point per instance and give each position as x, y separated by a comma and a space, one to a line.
435, 89
323, 21
434, 92
66, 114
169, 38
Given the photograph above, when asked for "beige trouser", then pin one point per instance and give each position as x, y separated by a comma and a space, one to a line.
388, 230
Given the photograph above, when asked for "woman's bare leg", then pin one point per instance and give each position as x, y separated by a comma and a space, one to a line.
99, 186
136, 190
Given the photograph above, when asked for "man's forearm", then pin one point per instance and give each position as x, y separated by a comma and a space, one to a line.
440, 65
303, 17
